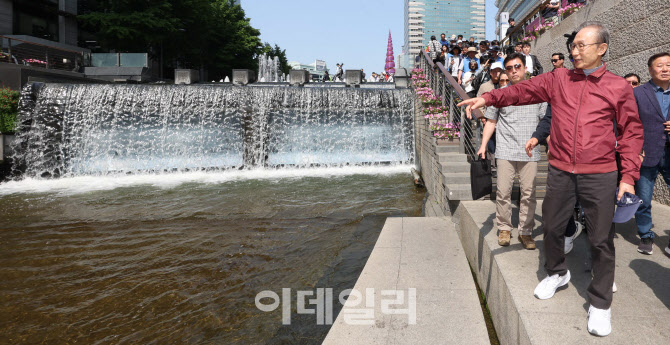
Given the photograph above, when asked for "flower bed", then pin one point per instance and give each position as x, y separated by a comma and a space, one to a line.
436, 112
9, 105
569, 9
433, 110
31, 62
542, 28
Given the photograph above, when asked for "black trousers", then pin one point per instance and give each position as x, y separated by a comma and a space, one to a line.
597, 195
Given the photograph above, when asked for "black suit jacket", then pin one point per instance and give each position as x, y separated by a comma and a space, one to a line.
537, 66
652, 123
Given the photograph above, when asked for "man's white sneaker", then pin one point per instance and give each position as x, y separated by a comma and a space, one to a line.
547, 287
600, 321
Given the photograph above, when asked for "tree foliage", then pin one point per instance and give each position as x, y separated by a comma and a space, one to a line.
212, 34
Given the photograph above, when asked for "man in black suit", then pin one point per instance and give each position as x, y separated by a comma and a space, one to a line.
653, 102
533, 65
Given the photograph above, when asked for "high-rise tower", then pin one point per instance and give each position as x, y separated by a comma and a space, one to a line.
425, 18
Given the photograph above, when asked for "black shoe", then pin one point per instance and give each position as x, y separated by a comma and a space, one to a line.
667, 249
646, 246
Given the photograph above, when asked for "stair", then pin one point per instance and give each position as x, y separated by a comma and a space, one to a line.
455, 169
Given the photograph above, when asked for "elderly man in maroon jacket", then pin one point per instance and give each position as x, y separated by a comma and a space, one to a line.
585, 103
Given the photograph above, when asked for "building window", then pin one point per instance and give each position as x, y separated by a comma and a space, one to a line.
38, 20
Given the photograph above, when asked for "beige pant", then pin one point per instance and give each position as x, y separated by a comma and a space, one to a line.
507, 170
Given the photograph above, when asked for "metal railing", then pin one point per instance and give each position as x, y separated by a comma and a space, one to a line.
447, 89
20, 52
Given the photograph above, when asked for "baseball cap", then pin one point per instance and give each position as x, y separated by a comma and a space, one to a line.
496, 65
626, 207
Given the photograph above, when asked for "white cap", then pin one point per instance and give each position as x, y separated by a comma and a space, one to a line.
496, 65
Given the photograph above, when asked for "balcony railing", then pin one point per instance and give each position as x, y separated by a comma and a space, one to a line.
446, 87
20, 52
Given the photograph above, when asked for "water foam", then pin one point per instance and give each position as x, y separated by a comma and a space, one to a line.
85, 184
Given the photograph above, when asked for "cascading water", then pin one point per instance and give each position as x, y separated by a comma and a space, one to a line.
268, 68
74, 130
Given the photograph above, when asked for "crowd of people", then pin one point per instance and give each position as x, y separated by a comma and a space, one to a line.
470, 62
608, 139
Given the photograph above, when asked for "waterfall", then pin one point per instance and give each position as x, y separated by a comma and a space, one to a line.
73, 130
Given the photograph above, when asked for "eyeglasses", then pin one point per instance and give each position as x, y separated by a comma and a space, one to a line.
504, 81
581, 46
555, 60
516, 66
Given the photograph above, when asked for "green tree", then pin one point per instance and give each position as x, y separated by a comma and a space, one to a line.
210, 34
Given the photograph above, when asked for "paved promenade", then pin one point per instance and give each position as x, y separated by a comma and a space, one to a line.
426, 254
508, 276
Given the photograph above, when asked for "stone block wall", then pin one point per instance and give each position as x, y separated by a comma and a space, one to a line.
638, 29
427, 158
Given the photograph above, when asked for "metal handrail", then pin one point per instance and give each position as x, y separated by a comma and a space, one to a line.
451, 93
20, 51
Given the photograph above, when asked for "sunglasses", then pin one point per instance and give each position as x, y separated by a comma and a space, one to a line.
516, 66
504, 81
555, 60
635, 83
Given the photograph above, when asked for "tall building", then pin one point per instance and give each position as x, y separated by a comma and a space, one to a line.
47, 22
425, 18
517, 9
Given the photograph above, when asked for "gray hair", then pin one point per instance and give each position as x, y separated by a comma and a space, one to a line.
602, 32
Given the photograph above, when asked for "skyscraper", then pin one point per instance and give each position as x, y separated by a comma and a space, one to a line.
425, 18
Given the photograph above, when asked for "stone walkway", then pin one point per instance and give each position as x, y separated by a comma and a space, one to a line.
425, 254
508, 276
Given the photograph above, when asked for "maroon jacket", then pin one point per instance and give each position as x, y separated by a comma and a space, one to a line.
583, 110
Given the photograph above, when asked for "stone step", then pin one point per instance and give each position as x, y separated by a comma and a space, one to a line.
458, 191
509, 275
456, 178
452, 157
455, 167
446, 148
426, 256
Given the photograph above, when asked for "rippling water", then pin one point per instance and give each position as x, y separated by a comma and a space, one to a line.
180, 258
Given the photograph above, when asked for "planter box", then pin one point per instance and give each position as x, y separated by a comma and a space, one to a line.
448, 142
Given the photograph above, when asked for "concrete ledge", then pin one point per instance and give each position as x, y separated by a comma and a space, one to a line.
425, 254
508, 276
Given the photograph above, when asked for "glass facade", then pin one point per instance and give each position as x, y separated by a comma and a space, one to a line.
455, 17
425, 18
37, 19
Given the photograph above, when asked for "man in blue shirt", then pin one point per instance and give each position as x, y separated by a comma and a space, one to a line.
495, 50
443, 40
653, 99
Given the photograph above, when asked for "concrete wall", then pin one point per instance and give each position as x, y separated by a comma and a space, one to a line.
638, 28
427, 158
17, 76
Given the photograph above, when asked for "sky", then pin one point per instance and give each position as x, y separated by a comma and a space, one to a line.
353, 32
